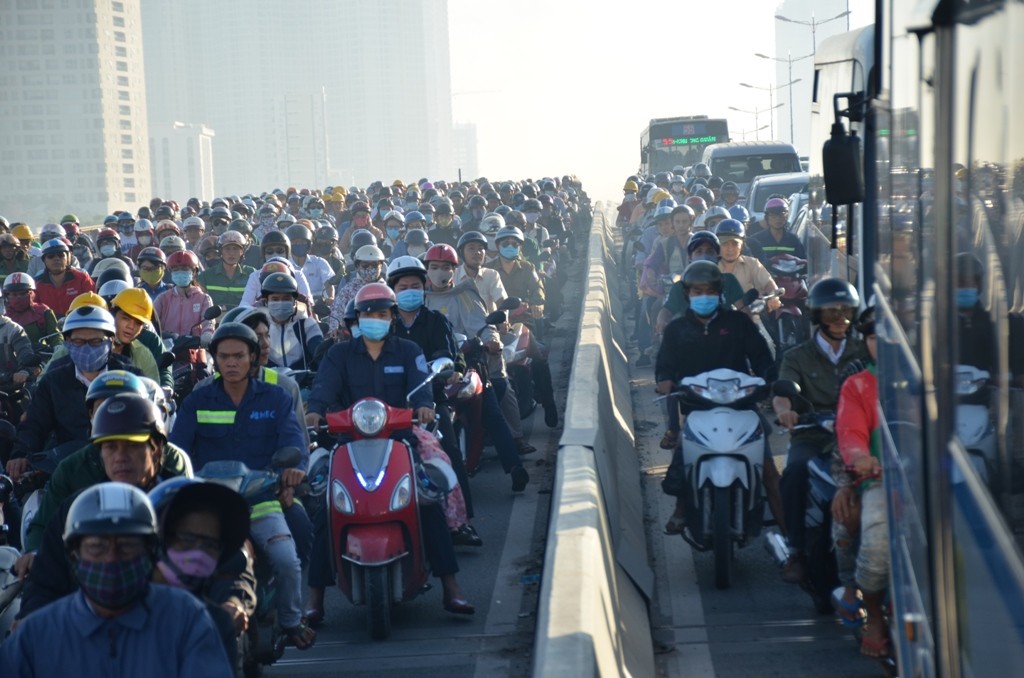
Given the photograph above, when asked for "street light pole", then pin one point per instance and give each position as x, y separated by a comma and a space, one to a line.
757, 117
789, 62
813, 23
771, 98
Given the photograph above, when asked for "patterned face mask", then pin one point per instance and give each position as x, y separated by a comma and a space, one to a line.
114, 585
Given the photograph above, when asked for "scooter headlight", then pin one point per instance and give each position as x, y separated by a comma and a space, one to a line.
402, 494
723, 391
369, 416
341, 499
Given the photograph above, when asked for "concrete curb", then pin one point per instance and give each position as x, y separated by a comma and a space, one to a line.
593, 617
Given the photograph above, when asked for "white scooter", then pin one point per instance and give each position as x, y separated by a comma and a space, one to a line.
973, 422
723, 450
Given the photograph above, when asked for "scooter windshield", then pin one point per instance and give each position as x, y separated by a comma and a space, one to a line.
370, 460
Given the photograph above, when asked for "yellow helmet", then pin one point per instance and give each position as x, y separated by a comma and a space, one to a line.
88, 299
398, 183
340, 190
656, 195
136, 303
631, 186
22, 232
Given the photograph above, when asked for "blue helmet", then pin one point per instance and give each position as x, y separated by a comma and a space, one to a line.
666, 202
730, 228
739, 213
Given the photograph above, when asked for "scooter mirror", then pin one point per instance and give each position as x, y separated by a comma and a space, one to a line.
166, 360
286, 457
496, 318
784, 388
750, 296
441, 365
213, 312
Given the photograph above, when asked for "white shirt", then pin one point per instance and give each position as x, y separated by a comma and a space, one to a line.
253, 287
488, 284
826, 348
317, 272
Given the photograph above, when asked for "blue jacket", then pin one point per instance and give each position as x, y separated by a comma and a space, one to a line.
210, 428
168, 634
348, 373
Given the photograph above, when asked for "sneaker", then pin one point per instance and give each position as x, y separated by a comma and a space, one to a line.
519, 478
793, 572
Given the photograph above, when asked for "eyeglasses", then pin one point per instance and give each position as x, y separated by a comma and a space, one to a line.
189, 541
778, 214
834, 314
79, 343
126, 548
276, 252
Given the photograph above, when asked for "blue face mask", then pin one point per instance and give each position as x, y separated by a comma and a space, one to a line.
410, 300
704, 305
374, 329
429, 218
89, 358
393, 233
300, 249
966, 297
509, 252
181, 278
316, 213
356, 331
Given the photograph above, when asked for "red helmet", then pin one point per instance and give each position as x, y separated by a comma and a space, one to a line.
183, 258
108, 233
374, 297
697, 204
442, 252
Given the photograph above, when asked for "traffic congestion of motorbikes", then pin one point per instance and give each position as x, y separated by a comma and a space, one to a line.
743, 347
259, 398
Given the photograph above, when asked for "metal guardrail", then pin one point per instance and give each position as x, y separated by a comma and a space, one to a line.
593, 617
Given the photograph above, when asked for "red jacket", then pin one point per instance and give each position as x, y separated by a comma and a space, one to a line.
857, 417
59, 297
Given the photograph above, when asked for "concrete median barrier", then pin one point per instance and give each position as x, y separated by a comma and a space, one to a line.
593, 617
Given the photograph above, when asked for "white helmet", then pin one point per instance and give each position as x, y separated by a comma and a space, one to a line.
369, 253
406, 265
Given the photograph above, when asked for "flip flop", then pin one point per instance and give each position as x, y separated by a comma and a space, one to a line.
675, 525
302, 637
876, 648
849, 614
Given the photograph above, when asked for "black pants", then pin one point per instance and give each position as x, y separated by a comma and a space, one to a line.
437, 541
793, 486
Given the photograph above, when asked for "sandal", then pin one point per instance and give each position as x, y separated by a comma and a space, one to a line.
675, 525
669, 440
314, 617
301, 637
876, 648
849, 614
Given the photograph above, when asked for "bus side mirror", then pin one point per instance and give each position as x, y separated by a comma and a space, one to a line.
842, 158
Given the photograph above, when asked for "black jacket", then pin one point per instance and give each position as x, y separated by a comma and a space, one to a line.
730, 340
432, 332
58, 408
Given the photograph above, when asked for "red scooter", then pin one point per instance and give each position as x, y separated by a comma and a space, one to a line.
375, 486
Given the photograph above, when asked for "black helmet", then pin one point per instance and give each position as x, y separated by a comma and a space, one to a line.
832, 292
242, 226
350, 316
416, 236
702, 273
279, 283
699, 237
360, 238
476, 201
127, 416
326, 234
175, 497
969, 268
531, 205
110, 508
468, 237
250, 316
238, 331
298, 232
114, 273
276, 238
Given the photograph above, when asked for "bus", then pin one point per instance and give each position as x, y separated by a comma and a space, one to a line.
669, 142
940, 250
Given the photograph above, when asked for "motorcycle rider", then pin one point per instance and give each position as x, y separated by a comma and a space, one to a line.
367, 367
472, 250
369, 267
58, 407
225, 280
521, 280
708, 336
21, 307
118, 623
239, 418
360, 215
59, 283
775, 239
317, 271
152, 264
815, 366
275, 247
749, 272
294, 336
133, 311
446, 227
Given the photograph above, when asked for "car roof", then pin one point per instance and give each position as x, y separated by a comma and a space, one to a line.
748, 147
784, 178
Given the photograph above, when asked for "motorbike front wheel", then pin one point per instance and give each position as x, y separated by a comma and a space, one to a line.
721, 522
378, 601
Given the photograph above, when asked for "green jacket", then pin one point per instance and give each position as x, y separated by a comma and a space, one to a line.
83, 469
818, 379
225, 292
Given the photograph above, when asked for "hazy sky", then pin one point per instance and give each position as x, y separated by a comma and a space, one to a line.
566, 86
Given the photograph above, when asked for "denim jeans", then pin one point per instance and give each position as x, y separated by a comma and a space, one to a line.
274, 540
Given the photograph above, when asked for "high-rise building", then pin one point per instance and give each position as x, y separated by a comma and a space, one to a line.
73, 127
306, 94
464, 143
183, 160
811, 21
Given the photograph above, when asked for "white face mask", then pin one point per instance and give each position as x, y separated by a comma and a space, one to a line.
440, 278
